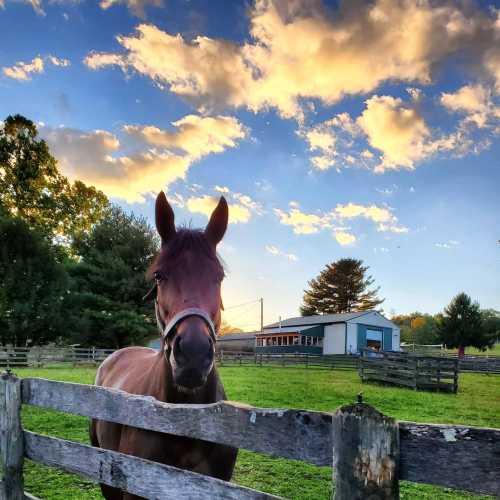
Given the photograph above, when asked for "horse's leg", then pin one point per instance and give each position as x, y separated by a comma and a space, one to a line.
219, 463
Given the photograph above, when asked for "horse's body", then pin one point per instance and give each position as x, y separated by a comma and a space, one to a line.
182, 371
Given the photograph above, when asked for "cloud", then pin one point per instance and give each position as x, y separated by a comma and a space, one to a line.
301, 222
96, 60
137, 7
96, 157
333, 220
205, 205
304, 50
475, 101
279, 253
344, 238
448, 244
36, 4
23, 71
194, 135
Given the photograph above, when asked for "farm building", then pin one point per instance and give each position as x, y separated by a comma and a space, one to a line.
237, 341
329, 334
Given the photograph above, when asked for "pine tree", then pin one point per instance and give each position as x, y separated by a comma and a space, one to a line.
343, 286
108, 282
462, 325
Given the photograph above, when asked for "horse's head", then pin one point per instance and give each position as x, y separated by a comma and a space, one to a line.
188, 276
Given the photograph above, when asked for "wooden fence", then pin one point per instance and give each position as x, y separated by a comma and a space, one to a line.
369, 452
39, 356
337, 361
408, 370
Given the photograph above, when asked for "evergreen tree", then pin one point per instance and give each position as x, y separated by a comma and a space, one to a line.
108, 282
32, 286
32, 188
343, 286
462, 325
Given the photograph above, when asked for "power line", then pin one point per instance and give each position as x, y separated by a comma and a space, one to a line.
242, 304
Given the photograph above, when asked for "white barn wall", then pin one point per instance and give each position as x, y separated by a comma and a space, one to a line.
334, 340
396, 340
352, 338
373, 319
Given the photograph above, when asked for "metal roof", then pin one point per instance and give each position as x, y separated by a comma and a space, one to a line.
319, 319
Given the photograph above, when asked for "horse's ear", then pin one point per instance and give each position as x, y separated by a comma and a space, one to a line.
164, 216
217, 224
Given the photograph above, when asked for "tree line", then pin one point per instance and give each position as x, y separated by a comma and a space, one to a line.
344, 286
72, 265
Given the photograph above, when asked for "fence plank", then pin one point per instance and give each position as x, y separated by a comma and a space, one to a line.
455, 456
11, 439
365, 454
295, 434
137, 476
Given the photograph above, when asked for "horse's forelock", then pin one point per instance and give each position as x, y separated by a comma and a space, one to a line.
193, 240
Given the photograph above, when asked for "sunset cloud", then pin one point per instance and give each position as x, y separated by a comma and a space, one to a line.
306, 223
302, 50
137, 7
205, 205
23, 71
95, 157
194, 135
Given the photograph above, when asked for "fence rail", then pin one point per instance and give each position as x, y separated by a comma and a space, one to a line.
409, 370
453, 456
336, 361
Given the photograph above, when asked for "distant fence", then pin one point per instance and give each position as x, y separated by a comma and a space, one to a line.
370, 452
335, 361
11, 357
431, 373
39, 356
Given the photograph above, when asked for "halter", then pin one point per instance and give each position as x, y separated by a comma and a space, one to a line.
167, 330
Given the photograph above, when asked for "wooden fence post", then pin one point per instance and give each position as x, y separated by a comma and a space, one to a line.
11, 438
365, 454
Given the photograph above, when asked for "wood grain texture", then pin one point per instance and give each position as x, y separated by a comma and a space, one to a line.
365, 454
135, 475
455, 456
295, 434
11, 439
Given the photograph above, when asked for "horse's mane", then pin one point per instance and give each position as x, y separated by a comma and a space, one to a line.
186, 239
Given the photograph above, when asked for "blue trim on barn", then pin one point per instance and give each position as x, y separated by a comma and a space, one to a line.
386, 336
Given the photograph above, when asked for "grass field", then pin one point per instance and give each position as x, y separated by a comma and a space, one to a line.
477, 403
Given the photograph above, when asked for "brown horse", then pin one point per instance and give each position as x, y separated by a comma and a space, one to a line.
188, 303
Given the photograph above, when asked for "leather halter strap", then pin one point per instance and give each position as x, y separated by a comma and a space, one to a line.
167, 330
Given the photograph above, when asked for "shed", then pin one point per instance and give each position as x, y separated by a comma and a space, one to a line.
345, 333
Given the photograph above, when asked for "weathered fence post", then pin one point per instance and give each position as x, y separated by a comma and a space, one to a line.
11, 438
365, 454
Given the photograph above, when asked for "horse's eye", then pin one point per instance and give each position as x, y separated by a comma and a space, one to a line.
159, 276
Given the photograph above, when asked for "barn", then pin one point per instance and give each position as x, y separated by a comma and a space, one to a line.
236, 342
329, 334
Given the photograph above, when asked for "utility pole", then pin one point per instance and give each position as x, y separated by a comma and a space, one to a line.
261, 300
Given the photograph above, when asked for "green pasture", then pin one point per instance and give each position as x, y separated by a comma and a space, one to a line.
477, 403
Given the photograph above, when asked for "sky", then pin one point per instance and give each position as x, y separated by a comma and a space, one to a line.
334, 129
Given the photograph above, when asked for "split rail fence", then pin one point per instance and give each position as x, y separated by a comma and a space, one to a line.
11, 357
415, 371
370, 452
340, 361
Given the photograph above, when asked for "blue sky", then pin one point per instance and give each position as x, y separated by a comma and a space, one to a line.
351, 129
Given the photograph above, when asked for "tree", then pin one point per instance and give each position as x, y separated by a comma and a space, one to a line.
462, 325
227, 329
342, 286
491, 323
32, 286
108, 282
418, 328
32, 188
